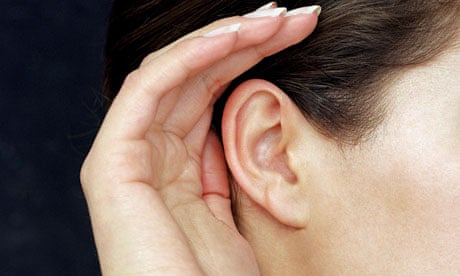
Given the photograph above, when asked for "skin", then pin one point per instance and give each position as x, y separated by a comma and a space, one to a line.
156, 184
155, 178
388, 206
411, 174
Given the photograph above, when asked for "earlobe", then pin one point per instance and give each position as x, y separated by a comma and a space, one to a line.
261, 136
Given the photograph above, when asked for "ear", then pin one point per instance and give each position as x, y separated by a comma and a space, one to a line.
264, 135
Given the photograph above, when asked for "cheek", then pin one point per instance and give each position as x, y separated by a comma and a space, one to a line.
406, 181
427, 151
433, 178
422, 167
436, 173
407, 194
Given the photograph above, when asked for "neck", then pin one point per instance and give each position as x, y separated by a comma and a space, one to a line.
280, 250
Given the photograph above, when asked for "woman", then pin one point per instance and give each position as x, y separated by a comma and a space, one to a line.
343, 149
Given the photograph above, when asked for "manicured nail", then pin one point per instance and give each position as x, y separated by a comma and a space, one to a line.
224, 30
266, 13
305, 10
268, 6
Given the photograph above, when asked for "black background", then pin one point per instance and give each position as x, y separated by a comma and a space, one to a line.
50, 109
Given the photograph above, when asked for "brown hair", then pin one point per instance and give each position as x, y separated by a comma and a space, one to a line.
336, 76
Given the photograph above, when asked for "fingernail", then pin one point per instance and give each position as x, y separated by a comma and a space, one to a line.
266, 13
224, 30
268, 6
305, 10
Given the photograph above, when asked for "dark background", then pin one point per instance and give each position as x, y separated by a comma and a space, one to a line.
50, 109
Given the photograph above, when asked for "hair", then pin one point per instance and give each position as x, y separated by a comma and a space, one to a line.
337, 76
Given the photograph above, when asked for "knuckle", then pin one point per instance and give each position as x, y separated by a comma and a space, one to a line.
210, 82
85, 174
224, 22
133, 78
148, 59
189, 50
259, 53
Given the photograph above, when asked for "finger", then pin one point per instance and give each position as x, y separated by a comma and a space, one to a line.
196, 139
197, 33
216, 190
133, 110
135, 106
215, 25
200, 89
210, 213
252, 32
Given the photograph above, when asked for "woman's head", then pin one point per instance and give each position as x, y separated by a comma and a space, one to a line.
345, 145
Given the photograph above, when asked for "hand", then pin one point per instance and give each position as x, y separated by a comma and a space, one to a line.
155, 179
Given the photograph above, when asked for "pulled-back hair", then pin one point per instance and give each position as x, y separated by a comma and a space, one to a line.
337, 76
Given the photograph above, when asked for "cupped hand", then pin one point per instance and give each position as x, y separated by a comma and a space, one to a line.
155, 178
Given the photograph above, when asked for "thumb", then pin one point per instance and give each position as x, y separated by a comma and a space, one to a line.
216, 189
